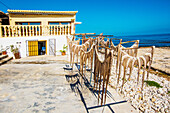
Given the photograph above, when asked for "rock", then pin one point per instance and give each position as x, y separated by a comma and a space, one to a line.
153, 99
13, 98
160, 91
35, 104
140, 98
162, 110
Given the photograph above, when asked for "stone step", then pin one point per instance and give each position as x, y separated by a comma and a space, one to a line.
3, 56
5, 60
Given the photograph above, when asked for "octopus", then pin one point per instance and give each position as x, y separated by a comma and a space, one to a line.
128, 61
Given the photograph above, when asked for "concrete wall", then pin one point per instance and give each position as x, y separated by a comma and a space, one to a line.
21, 43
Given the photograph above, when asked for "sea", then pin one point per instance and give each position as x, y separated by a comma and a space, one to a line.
157, 40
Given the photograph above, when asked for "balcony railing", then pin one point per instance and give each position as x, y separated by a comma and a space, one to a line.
34, 30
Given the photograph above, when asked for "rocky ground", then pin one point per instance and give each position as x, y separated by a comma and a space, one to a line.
151, 99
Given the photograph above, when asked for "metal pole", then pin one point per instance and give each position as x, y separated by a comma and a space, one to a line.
92, 64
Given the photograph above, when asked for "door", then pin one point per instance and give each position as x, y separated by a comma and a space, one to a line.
52, 47
33, 48
42, 47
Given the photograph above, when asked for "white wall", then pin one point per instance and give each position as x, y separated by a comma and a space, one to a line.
20, 42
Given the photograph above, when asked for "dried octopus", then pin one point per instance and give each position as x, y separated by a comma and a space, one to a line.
102, 70
86, 56
72, 45
128, 61
75, 50
131, 52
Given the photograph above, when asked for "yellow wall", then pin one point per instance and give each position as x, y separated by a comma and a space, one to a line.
44, 19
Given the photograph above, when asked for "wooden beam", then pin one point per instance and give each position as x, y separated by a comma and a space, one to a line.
84, 34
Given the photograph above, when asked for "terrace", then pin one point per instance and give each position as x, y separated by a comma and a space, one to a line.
34, 30
29, 23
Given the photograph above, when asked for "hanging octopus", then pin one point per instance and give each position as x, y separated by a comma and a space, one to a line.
71, 45
86, 56
128, 61
102, 70
131, 52
76, 50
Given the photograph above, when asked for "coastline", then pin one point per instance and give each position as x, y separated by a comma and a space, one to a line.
166, 47
161, 61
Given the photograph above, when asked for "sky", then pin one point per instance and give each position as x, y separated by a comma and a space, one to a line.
111, 17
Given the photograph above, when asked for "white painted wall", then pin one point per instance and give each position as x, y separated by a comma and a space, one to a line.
20, 42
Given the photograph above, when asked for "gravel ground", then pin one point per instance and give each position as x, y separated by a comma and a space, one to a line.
151, 99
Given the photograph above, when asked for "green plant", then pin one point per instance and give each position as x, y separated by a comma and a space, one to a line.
14, 50
168, 92
153, 83
124, 80
64, 48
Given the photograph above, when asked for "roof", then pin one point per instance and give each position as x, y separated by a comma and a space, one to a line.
77, 23
41, 12
3, 15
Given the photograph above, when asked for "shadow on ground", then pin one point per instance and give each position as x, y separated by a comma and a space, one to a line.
78, 82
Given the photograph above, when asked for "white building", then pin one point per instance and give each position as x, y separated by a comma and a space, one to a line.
37, 32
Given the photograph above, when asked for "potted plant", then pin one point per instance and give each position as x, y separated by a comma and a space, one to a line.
4, 50
15, 51
63, 52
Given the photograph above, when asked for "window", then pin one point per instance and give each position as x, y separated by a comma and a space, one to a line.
58, 23
64, 23
38, 23
53, 23
28, 23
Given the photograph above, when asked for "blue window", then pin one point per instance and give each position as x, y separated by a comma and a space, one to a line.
65, 23
53, 23
28, 23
